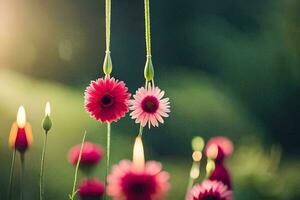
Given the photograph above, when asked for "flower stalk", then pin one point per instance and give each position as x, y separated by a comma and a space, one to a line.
46, 124
74, 191
13, 160
22, 157
149, 69
197, 146
42, 168
107, 156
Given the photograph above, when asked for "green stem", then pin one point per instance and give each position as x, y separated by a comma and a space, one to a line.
13, 159
76, 169
42, 168
22, 157
195, 166
147, 28
141, 131
107, 156
108, 23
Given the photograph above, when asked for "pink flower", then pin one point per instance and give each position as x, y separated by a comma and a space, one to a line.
107, 99
20, 138
149, 106
210, 190
91, 154
126, 183
91, 189
222, 143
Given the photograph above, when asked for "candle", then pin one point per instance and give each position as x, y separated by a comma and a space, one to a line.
138, 154
20, 137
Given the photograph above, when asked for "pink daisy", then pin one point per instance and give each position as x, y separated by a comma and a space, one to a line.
221, 142
210, 190
107, 99
91, 189
149, 106
126, 183
91, 154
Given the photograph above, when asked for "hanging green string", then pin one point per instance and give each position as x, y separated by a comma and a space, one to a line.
107, 65
149, 70
147, 27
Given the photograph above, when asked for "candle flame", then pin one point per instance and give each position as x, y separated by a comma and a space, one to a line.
21, 117
48, 109
138, 154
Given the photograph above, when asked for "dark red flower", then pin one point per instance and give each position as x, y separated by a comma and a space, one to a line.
20, 138
220, 173
107, 100
91, 189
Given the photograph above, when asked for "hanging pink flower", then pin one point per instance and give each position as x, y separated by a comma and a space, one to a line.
91, 154
218, 148
220, 173
210, 190
20, 138
107, 99
149, 106
127, 183
91, 189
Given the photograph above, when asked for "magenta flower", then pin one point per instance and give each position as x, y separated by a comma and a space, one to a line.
149, 106
91, 189
91, 154
220, 173
127, 183
219, 148
107, 99
210, 190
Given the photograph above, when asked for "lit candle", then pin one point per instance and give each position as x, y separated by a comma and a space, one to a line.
20, 137
138, 154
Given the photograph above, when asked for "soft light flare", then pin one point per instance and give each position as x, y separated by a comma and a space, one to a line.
21, 117
48, 109
138, 154
197, 156
212, 151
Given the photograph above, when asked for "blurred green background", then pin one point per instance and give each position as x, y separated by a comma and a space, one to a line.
230, 68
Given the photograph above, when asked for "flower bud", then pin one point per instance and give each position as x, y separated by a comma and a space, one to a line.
20, 138
47, 123
197, 143
107, 65
149, 70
